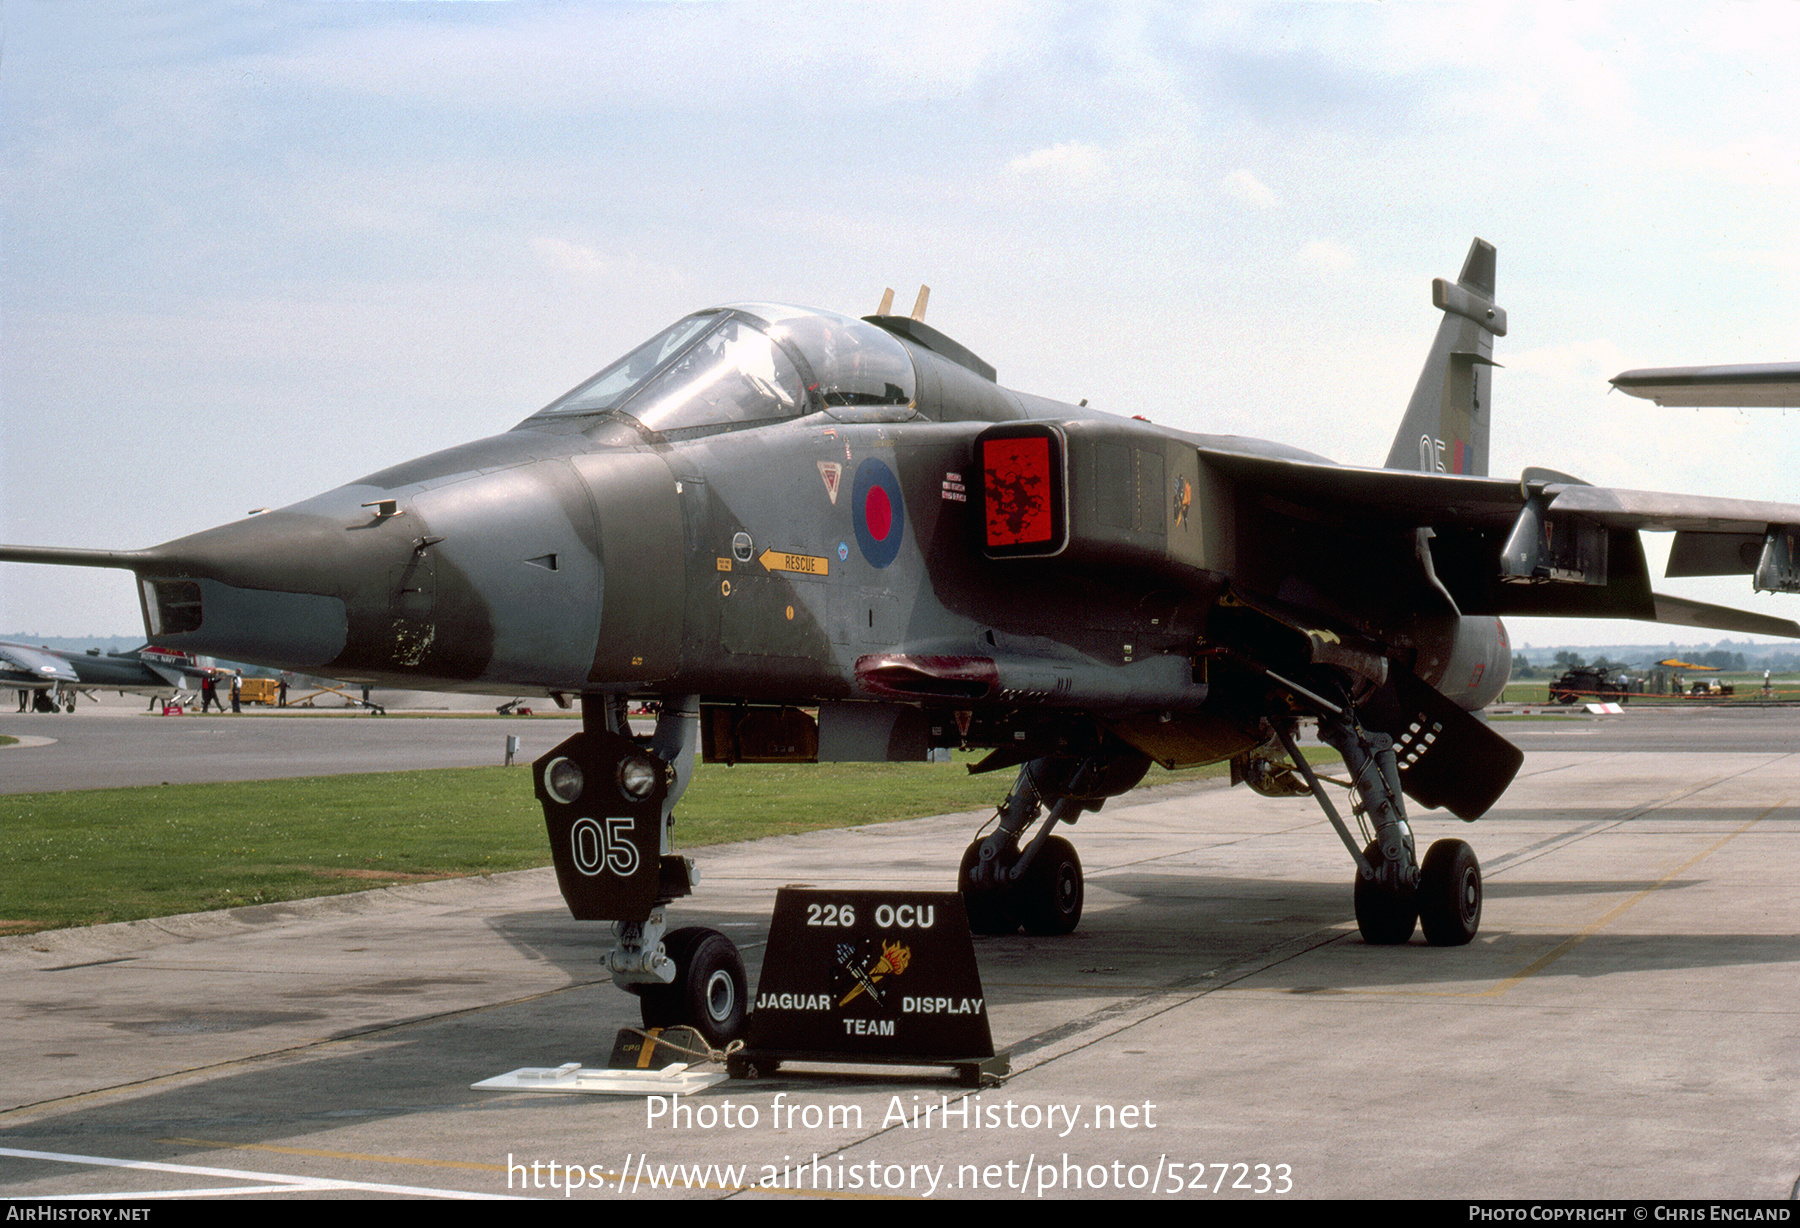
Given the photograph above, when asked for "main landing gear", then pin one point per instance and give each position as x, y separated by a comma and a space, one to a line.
1045, 897
1393, 891
1449, 894
608, 803
1006, 883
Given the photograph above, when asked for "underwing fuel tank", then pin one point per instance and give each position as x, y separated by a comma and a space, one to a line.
1468, 659
485, 565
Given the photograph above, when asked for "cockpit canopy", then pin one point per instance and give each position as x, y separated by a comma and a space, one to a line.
739, 366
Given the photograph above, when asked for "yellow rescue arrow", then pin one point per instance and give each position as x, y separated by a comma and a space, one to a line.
801, 564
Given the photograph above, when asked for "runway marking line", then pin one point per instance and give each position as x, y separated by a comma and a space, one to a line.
297, 1051
270, 1182
478, 1166
1565, 838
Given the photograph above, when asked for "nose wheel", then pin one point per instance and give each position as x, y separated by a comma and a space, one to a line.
710, 992
989, 907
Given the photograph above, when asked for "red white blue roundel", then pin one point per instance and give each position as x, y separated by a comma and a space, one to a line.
878, 512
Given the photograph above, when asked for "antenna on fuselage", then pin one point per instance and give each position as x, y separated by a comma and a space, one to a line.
918, 311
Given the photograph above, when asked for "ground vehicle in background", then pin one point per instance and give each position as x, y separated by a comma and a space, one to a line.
1589, 682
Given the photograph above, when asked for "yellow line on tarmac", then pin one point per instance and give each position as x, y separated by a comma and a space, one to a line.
319, 1153
1549, 957
1575, 940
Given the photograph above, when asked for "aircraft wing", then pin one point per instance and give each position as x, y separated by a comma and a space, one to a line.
1679, 611
1643, 509
1771, 384
1433, 499
35, 668
1543, 544
1399, 495
173, 678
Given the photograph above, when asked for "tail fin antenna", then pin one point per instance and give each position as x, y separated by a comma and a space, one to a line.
1446, 425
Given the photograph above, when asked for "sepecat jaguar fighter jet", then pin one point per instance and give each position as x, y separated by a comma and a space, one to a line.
807, 537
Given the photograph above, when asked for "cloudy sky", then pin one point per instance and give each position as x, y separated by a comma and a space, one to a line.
250, 251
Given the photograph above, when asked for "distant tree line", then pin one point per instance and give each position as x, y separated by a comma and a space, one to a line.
1718, 658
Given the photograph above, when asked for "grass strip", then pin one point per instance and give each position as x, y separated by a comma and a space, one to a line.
103, 855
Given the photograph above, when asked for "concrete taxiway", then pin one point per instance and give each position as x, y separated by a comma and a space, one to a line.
117, 744
1625, 1025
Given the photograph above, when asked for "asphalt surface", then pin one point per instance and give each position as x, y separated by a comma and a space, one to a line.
1625, 1025
117, 743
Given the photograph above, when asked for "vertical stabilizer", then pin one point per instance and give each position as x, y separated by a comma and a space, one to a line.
1446, 425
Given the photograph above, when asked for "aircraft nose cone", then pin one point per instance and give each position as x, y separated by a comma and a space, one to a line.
268, 590
443, 572
480, 565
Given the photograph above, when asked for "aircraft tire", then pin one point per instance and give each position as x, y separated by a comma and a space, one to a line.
989, 909
1450, 894
1386, 918
710, 992
1048, 899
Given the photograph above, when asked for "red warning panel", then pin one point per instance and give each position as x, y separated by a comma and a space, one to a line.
1022, 489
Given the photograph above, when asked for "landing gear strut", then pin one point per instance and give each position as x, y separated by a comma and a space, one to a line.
1387, 882
1393, 892
608, 803
1004, 886
1006, 883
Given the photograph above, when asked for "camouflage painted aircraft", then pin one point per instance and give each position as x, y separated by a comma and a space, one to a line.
813, 537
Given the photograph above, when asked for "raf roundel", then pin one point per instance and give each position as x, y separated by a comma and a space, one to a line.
878, 512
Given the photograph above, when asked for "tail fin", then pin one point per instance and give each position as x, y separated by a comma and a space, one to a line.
1446, 425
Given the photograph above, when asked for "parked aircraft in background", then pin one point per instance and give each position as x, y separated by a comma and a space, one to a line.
59, 675
1773, 384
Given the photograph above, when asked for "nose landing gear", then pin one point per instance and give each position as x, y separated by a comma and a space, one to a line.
1045, 898
608, 801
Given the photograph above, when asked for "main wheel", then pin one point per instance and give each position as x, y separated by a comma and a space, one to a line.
1384, 916
709, 993
1048, 898
1449, 894
989, 909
